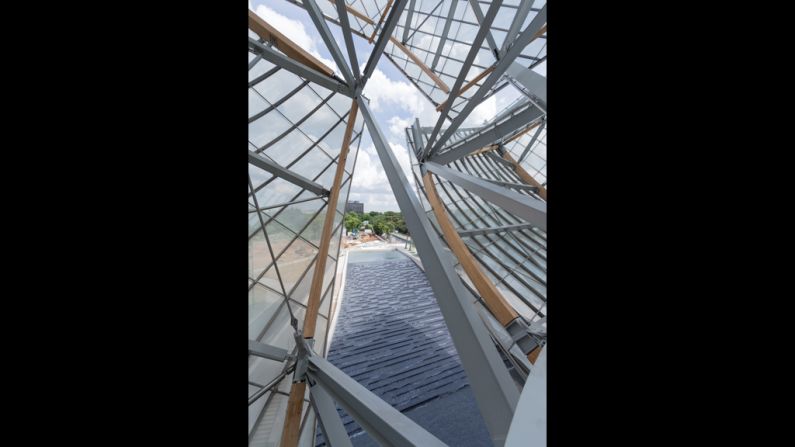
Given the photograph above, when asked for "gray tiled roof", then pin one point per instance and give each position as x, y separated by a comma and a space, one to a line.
391, 338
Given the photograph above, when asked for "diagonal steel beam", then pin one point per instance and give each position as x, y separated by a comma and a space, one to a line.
529, 114
381, 20
295, 402
348, 36
532, 210
322, 27
518, 45
329, 419
492, 386
513, 185
446, 29
409, 16
383, 38
383, 422
479, 16
285, 45
300, 69
266, 351
532, 140
286, 174
473, 51
518, 20
524, 175
479, 231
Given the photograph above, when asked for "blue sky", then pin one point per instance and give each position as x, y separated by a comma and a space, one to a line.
393, 99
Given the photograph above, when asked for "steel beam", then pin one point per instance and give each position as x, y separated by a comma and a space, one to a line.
345, 25
381, 421
409, 16
468, 85
383, 38
529, 425
494, 390
325, 33
524, 175
418, 145
532, 140
329, 419
518, 20
291, 427
286, 174
410, 54
518, 45
529, 114
446, 29
266, 351
513, 185
479, 16
532, 210
473, 52
299, 69
479, 231
285, 45
380, 21
497, 304
532, 82
499, 159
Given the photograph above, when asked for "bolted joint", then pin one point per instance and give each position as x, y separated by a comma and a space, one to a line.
521, 335
305, 346
358, 86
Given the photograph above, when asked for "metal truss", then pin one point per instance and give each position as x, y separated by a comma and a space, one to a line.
477, 217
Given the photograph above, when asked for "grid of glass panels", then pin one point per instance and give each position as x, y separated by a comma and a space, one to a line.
299, 126
515, 260
444, 52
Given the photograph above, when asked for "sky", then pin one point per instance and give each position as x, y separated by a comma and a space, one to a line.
395, 102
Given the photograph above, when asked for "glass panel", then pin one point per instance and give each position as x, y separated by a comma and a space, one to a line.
288, 148
266, 128
294, 260
258, 255
262, 304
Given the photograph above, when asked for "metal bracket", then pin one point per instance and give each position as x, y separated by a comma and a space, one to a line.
521, 335
305, 346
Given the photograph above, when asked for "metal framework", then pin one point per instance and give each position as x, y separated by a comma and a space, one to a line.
477, 215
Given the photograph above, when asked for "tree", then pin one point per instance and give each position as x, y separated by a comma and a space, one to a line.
378, 228
352, 221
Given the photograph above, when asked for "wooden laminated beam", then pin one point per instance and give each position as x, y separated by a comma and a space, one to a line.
497, 304
436, 79
533, 355
356, 13
442, 86
528, 129
503, 312
486, 72
292, 421
542, 192
285, 45
380, 21
540, 32
486, 149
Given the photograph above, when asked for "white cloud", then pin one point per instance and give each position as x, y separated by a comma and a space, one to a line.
370, 184
397, 126
295, 31
485, 111
387, 94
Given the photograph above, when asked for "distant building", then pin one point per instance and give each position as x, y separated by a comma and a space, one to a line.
355, 206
